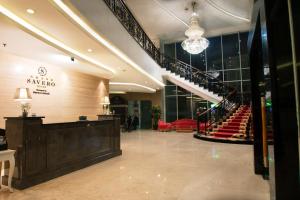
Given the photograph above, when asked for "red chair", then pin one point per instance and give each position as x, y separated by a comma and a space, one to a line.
163, 126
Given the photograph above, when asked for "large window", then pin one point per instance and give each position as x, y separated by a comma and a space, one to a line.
231, 58
214, 54
170, 50
182, 55
181, 103
226, 58
199, 61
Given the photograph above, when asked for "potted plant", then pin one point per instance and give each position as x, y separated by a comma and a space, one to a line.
155, 116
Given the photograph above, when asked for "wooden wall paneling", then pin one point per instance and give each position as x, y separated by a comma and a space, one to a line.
74, 94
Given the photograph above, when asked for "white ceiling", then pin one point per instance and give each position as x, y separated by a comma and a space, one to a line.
25, 45
50, 20
156, 17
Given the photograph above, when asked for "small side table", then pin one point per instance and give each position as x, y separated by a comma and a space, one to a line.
7, 155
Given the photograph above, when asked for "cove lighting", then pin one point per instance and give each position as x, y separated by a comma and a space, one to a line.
133, 84
117, 92
100, 39
30, 11
50, 39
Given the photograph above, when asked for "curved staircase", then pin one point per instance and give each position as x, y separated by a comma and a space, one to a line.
235, 126
193, 80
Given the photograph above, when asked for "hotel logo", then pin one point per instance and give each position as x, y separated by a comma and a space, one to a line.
42, 71
41, 81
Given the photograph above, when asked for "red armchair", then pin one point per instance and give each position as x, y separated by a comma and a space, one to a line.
163, 126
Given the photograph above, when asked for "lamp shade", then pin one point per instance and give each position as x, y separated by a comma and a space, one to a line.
22, 94
105, 100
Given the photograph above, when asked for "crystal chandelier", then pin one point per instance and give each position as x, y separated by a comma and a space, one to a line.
195, 43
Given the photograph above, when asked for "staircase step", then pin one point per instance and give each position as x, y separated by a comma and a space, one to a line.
222, 134
228, 130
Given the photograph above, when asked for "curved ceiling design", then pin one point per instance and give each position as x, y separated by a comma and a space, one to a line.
51, 39
216, 16
68, 11
213, 4
121, 86
48, 35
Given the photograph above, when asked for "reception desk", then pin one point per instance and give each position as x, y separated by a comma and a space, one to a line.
46, 151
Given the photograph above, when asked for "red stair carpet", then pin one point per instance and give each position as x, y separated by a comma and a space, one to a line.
235, 125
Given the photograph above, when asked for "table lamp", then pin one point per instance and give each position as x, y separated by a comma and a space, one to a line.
23, 96
105, 102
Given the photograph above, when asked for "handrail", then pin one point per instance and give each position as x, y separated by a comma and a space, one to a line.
216, 114
126, 18
123, 14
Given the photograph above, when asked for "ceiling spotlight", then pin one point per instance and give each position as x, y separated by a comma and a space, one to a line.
90, 50
30, 11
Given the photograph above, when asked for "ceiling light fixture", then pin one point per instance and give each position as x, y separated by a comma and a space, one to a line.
90, 50
133, 84
100, 39
30, 11
195, 43
52, 40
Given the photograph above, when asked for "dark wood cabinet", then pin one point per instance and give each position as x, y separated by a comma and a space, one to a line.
46, 151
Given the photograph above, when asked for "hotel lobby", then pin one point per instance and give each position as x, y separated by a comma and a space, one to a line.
149, 99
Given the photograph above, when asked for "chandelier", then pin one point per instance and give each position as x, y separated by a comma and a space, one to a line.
195, 43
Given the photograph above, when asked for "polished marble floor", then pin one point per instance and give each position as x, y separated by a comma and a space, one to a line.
159, 166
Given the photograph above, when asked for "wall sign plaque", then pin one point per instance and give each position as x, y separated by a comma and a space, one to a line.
41, 82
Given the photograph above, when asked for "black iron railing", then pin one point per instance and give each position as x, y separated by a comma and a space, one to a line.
211, 116
178, 67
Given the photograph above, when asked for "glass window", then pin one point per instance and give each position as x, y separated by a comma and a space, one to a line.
181, 54
198, 61
231, 59
246, 86
232, 75
244, 50
198, 104
235, 84
181, 91
184, 107
184, 103
216, 74
170, 90
170, 50
246, 74
171, 108
214, 54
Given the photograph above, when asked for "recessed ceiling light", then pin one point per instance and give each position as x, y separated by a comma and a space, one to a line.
90, 50
30, 11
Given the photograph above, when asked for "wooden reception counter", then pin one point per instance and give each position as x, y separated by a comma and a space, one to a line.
46, 151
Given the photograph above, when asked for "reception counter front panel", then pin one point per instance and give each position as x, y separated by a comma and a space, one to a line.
46, 151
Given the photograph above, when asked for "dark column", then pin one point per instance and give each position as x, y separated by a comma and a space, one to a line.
280, 54
256, 74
